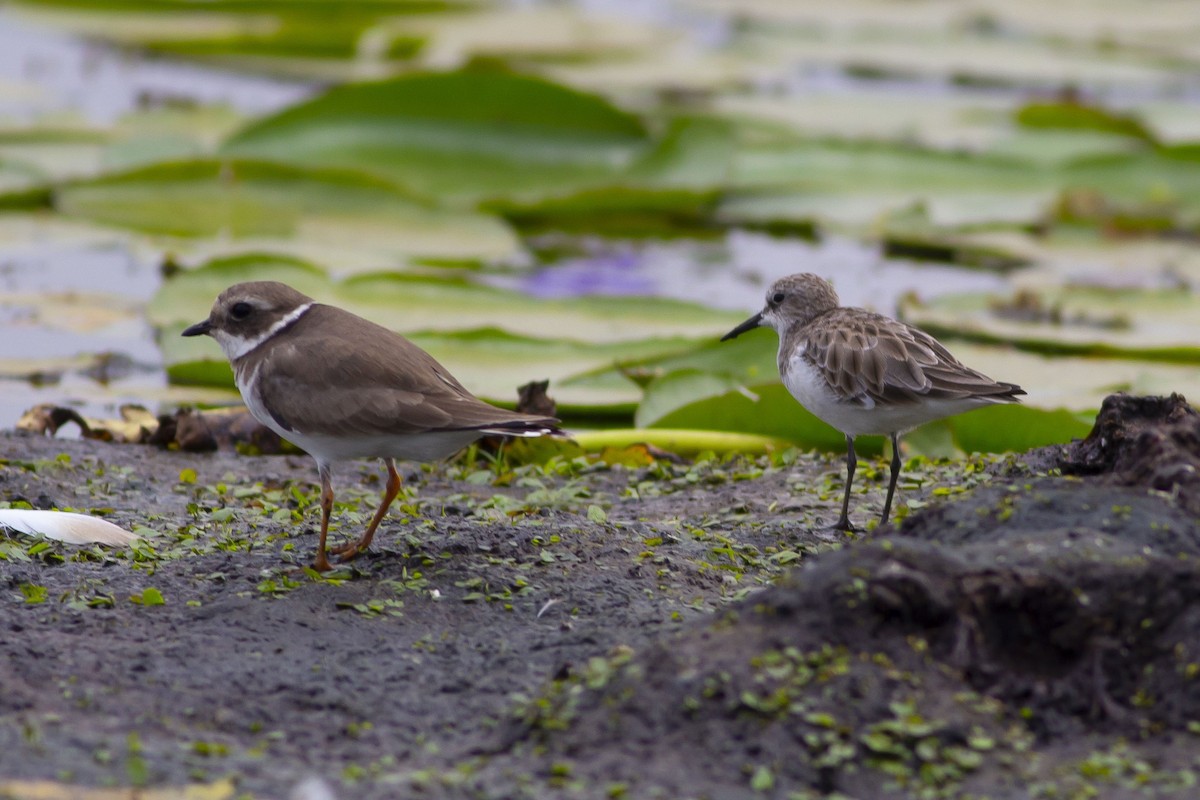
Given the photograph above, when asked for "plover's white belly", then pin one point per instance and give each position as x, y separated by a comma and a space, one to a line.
406, 447
327, 449
248, 386
808, 386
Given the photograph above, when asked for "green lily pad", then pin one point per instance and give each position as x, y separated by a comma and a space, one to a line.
701, 402
30, 157
410, 303
154, 135
260, 202
675, 187
1078, 116
313, 38
1161, 177
901, 42
462, 135
856, 183
1153, 325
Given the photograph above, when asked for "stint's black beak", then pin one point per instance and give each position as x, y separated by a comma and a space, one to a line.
199, 329
748, 325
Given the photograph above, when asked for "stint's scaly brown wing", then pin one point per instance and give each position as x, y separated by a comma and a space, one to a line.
868, 358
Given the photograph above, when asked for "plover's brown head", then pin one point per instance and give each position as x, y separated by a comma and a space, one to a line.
795, 299
248, 314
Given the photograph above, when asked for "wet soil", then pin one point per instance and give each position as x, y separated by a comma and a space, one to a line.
585, 630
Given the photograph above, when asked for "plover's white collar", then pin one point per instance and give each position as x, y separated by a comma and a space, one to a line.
341, 387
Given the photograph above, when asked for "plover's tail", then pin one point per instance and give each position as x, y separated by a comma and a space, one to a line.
524, 427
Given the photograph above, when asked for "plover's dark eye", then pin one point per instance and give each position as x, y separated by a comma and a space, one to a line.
777, 298
240, 310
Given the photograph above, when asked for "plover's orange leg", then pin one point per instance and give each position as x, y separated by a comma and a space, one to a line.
321, 564
887, 504
349, 551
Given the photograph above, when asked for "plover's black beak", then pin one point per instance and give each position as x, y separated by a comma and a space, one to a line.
748, 325
199, 329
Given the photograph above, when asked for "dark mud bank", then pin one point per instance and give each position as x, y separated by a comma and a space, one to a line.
1037, 638
618, 633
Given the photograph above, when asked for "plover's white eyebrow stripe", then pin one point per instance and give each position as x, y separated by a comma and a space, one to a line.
248, 345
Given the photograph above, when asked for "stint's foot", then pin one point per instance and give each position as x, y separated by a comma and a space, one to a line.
843, 526
321, 563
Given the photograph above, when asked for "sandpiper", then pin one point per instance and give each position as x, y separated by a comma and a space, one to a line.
341, 387
864, 373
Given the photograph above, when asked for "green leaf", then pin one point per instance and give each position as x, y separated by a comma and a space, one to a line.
1155, 325
149, 597
34, 593
297, 38
466, 134
762, 780
1002, 428
299, 207
693, 400
1077, 116
417, 303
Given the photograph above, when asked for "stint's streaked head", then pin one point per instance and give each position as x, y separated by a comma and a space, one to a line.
797, 299
793, 300
864, 373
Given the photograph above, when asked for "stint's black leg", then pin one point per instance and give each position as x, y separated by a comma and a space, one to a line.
843, 523
887, 504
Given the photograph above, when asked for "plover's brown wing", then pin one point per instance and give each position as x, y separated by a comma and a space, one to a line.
868, 358
375, 382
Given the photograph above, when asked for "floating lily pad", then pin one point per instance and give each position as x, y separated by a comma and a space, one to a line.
857, 183
464, 135
170, 133
409, 303
262, 202
30, 157
763, 409
674, 188
313, 38
1079, 116
1156, 325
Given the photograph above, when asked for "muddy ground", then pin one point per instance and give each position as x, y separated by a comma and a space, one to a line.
672, 630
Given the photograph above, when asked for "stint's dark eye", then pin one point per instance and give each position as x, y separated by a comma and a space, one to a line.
777, 298
240, 310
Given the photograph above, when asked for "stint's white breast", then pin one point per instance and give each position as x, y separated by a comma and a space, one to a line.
806, 383
866, 416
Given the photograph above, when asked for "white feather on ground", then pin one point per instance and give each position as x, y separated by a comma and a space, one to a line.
65, 526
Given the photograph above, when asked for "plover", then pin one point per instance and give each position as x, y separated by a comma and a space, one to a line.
864, 373
341, 387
